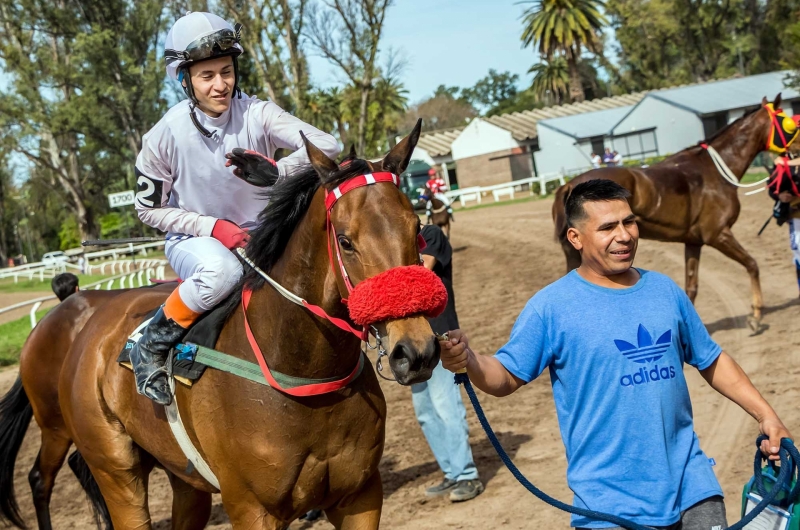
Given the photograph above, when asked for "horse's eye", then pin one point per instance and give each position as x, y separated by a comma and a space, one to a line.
345, 244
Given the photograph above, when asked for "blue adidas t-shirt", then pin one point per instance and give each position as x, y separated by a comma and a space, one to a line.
615, 358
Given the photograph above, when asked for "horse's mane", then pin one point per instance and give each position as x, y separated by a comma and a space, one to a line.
289, 200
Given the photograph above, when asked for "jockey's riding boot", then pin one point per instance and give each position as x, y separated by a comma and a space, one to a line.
149, 355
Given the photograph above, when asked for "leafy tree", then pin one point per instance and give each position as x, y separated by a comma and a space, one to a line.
443, 110
564, 27
492, 92
550, 80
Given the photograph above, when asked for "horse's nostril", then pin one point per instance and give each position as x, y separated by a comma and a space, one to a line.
402, 357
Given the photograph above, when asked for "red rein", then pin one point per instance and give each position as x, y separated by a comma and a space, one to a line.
393, 294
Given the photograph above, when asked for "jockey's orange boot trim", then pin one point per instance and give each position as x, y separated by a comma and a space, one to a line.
176, 310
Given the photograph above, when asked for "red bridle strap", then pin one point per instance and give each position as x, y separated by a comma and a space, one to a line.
330, 200
311, 389
773, 116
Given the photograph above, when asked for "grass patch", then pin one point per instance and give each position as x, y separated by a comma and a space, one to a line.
13, 335
754, 176
7, 285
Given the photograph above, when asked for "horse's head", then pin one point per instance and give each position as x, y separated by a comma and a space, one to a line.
782, 129
372, 232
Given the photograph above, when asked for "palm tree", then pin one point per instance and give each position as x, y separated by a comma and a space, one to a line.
551, 76
564, 26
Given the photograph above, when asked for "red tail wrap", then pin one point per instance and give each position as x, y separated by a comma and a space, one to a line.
397, 293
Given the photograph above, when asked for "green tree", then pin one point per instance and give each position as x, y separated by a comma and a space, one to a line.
564, 27
550, 80
492, 93
443, 110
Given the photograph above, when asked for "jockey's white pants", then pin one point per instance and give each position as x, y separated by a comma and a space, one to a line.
794, 239
209, 271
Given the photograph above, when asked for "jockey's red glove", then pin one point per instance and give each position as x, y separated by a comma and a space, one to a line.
253, 167
229, 234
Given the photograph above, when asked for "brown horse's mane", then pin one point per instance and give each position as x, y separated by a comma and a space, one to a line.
289, 199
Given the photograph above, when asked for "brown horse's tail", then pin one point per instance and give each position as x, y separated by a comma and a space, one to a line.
559, 213
15, 415
99, 509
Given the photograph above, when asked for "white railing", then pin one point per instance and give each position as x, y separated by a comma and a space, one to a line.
41, 269
475, 193
142, 277
121, 266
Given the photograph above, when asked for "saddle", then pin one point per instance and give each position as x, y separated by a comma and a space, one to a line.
186, 359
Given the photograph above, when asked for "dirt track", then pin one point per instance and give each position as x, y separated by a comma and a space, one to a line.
503, 256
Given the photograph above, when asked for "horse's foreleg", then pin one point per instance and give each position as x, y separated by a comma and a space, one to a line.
191, 508
692, 256
728, 245
362, 510
43, 474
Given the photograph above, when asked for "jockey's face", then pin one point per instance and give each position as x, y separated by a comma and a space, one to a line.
213, 81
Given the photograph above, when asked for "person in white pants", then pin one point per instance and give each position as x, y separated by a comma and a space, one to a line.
187, 188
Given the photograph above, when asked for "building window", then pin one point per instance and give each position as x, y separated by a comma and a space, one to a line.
714, 122
638, 145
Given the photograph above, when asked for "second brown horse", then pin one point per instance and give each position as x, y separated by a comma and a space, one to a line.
684, 199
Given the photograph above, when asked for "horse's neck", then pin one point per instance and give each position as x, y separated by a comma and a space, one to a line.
741, 142
293, 340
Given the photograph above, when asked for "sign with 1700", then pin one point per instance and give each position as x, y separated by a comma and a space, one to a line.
123, 198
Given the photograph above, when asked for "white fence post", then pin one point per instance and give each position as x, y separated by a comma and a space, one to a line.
33, 313
109, 284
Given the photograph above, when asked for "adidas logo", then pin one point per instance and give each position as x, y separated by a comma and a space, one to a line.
646, 351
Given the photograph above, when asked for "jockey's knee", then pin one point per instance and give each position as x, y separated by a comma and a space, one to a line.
215, 281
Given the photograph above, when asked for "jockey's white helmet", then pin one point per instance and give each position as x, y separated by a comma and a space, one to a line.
197, 36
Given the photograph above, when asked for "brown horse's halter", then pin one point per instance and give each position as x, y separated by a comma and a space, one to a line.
318, 388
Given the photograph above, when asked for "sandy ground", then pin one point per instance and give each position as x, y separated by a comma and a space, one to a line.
503, 256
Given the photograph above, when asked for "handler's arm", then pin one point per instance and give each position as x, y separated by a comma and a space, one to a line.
727, 377
486, 373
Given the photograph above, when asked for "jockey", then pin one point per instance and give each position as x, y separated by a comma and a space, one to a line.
438, 186
186, 189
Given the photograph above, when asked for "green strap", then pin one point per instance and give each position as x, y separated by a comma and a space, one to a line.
251, 371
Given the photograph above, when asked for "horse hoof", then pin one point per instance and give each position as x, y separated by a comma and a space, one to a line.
754, 323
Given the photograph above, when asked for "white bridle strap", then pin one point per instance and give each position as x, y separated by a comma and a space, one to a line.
726, 172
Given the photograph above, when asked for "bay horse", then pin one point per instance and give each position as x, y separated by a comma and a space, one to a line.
439, 214
275, 456
685, 199
35, 394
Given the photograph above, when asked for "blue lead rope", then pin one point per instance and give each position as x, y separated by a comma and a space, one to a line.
790, 458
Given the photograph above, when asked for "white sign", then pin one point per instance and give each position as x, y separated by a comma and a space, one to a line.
123, 198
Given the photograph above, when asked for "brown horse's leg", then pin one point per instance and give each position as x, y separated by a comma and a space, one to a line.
361, 511
447, 230
43, 474
122, 471
249, 514
191, 508
728, 245
692, 255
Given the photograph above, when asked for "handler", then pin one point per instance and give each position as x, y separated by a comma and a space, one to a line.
186, 190
615, 339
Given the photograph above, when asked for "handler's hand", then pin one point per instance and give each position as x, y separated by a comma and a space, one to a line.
773, 427
455, 352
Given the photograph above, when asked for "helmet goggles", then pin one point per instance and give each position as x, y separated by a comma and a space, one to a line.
217, 44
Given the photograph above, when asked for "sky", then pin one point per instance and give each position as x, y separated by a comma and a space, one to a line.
449, 42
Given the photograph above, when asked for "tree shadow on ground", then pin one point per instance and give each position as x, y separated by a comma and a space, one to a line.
486, 460
740, 321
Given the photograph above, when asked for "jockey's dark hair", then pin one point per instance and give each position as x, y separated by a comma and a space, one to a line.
289, 200
591, 191
64, 284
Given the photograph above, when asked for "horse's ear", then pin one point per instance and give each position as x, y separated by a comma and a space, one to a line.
777, 103
764, 101
398, 158
352, 154
323, 165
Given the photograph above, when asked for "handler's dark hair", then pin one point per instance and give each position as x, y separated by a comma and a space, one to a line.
590, 191
64, 284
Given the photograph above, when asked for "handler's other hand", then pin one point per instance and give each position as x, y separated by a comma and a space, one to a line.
774, 428
455, 351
